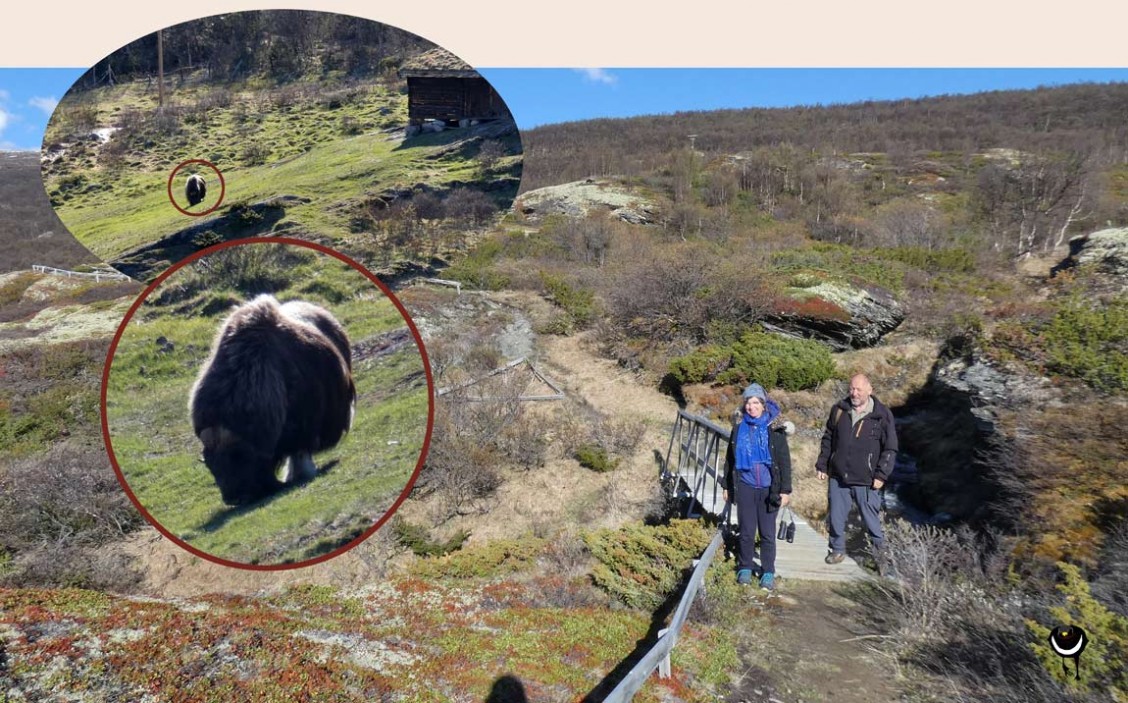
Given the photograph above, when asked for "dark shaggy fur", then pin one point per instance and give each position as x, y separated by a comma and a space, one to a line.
196, 189
278, 385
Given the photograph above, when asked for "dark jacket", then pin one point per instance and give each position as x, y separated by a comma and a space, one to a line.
857, 454
781, 464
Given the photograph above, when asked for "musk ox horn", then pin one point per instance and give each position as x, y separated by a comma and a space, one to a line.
216, 438
277, 385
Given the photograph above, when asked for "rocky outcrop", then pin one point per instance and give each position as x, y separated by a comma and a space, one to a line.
580, 198
844, 315
1106, 249
989, 388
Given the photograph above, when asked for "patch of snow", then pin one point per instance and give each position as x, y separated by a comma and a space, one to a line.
104, 133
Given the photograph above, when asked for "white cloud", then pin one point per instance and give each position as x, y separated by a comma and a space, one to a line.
47, 105
4, 95
598, 75
4, 119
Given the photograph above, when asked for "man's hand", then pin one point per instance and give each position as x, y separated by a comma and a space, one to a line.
784, 499
877, 484
821, 475
724, 494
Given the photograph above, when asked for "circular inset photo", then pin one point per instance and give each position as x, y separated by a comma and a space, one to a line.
267, 403
309, 125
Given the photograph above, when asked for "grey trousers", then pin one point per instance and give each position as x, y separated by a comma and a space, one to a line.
839, 497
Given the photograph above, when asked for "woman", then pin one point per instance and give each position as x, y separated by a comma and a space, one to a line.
758, 480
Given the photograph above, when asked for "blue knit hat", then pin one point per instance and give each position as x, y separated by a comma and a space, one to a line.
755, 391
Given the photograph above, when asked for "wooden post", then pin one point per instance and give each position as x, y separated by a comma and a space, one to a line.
664, 665
160, 69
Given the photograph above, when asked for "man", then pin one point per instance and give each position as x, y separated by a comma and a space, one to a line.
758, 480
859, 446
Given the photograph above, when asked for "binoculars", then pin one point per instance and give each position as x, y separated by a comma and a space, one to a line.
787, 529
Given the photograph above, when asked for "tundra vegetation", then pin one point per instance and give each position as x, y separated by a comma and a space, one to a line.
953, 206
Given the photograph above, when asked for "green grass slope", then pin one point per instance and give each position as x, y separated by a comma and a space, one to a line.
333, 146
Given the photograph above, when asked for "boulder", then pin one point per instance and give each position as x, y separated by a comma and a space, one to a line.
989, 388
842, 314
579, 198
1107, 249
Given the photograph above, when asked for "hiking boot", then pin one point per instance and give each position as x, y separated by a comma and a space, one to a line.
744, 577
767, 581
835, 558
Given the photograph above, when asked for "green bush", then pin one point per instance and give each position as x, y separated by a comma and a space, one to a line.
416, 538
842, 260
641, 565
594, 457
956, 259
1108, 638
770, 360
578, 303
477, 269
1087, 341
502, 556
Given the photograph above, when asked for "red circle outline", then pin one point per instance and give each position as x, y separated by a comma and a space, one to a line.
418, 464
222, 187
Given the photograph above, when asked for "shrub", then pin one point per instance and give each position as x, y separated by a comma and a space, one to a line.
771, 360
477, 269
579, 304
502, 556
1108, 638
1087, 341
56, 511
205, 239
469, 207
416, 538
255, 269
641, 565
595, 458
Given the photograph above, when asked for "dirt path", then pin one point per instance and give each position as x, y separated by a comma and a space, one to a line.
811, 648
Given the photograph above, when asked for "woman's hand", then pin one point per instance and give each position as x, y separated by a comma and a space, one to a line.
784, 499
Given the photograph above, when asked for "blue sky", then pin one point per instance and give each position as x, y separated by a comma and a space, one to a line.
540, 96
27, 98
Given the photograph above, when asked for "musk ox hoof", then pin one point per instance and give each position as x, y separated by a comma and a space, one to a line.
277, 386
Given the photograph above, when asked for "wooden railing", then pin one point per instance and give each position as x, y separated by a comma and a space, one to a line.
658, 656
696, 458
96, 275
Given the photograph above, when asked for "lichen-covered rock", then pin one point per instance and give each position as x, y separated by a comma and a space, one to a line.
841, 314
1107, 249
579, 198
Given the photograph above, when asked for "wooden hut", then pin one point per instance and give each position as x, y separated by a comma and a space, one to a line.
443, 87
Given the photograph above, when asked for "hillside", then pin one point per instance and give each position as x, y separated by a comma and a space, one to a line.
944, 266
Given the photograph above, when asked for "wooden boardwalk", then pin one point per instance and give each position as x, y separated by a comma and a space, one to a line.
696, 461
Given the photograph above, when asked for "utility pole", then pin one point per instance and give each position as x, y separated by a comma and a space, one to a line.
160, 69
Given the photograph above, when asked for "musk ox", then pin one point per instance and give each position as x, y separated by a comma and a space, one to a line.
196, 189
278, 385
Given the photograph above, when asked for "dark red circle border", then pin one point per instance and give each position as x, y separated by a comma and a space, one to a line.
222, 187
426, 369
